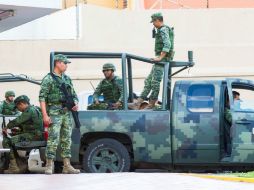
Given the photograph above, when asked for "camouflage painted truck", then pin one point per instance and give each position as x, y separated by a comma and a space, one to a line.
189, 132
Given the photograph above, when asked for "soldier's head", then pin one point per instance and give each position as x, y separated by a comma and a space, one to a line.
108, 70
22, 102
157, 20
236, 95
60, 62
9, 95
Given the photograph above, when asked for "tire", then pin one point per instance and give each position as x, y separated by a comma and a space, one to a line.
106, 156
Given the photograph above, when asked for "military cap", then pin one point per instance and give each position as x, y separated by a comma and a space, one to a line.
156, 16
61, 57
108, 66
9, 93
21, 98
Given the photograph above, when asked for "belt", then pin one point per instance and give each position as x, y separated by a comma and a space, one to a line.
59, 107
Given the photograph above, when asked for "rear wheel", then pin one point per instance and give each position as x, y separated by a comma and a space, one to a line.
106, 156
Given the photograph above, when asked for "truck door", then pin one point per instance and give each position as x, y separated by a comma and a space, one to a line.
242, 129
196, 122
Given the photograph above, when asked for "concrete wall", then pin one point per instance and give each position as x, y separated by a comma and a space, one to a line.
222, 41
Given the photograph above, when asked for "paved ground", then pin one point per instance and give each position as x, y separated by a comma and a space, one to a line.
116, 181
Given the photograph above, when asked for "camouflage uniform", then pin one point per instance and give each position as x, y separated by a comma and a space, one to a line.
8, 108
31, 125
61, 127
164, 42
112, 90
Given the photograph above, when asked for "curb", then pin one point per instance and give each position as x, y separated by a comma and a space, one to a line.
224, 178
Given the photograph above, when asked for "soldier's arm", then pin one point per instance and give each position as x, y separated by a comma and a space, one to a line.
43, 96
1, 107
97, 92
119, 83
24, 117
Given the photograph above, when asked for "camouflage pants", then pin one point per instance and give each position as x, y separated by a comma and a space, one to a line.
10, 142
59, 131
152, 83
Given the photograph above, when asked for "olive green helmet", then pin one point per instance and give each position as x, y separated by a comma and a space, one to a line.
22, 98
108, 66
9, 93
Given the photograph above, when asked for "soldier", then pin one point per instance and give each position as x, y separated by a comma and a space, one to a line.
7, 107
112, 89
28, 127
56, 115
164, 51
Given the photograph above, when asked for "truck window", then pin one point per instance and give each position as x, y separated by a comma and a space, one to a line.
245, 100
200, 98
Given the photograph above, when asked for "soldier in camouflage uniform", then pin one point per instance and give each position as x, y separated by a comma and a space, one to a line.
7, 107
26, 127
57, 116
112, 89
164, 51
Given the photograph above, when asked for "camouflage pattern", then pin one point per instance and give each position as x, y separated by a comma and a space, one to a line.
108, 66
196, 135
51, 94
156, 16
61, 57
31, 125
164, 42
188, 138
59, 132
8, 108
149, 131
103, 106
112, 90
9, 93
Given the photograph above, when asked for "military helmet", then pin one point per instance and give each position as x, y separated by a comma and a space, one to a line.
22, 98
61, 57
9, 93
108, 66
156, 16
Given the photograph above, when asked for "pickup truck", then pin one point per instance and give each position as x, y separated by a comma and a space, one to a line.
187, 133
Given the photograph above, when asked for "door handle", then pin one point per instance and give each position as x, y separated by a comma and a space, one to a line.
243, 121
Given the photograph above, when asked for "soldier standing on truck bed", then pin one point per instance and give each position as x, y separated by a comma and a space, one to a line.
26, 127
7, 107
164, 51
56, 115
112, 89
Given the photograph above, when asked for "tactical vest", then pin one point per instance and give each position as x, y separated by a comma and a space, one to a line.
8, 108
159, 42
110, 90
55, 95
35, 123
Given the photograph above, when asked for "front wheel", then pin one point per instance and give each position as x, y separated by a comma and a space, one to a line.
106, 156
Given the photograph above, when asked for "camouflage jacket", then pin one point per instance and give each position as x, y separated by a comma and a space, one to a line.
112, 90
164, 41
228, 116
30, 121
8, 108
50, 91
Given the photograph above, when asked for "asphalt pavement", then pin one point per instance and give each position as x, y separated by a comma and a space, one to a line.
116, 181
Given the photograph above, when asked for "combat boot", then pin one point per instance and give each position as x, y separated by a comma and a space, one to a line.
136, 105
49, 167
13, 168
67, 168
151, 105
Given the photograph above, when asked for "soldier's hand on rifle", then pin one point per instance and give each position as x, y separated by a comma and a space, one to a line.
97, 102
75, 108
4, 131
47, 120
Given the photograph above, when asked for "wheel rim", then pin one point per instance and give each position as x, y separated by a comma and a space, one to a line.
106, 161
